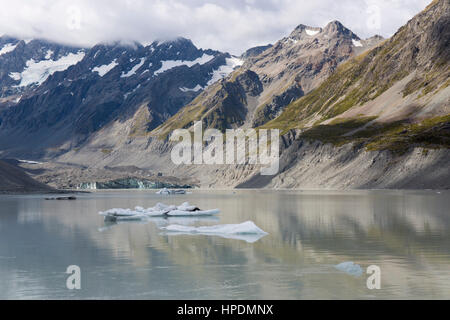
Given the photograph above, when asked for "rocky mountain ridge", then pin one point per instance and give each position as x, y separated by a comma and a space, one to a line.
54, 97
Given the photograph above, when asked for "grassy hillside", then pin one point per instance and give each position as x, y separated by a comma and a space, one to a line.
422, 47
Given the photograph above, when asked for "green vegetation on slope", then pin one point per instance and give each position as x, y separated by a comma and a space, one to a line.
397, 136
420, 46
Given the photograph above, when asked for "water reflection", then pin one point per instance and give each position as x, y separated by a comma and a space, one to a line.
405, 233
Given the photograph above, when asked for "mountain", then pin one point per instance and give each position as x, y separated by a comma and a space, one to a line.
54, 97
402, 82
380, 119
267, 82
255, 51
13, 179
353, 113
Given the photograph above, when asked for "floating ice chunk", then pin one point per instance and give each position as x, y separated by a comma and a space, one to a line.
248, 227
246, 231
104, 69
159, 210
357, 43
186, 206
351, 268
166, 191
310, 32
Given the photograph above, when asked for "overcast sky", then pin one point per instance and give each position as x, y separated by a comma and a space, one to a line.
227, 25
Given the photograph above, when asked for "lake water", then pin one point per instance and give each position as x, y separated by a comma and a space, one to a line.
405, 233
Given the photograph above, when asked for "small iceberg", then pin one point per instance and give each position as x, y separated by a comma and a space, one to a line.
165, 191
246, 231
160, 210
350, 268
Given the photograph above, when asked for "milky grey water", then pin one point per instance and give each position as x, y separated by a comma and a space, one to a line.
405, 233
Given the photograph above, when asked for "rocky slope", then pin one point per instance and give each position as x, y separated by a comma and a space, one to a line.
370, 114
390, 104
54, 97
15, 180
381, 120
267, 82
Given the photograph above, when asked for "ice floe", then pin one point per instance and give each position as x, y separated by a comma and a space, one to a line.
246, 231
165, 191
159, 210
350, 267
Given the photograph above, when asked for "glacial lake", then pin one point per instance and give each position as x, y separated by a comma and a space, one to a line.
405, 233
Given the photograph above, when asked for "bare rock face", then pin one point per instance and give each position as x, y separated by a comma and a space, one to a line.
255, 51
287, 70
55, 97
15, 180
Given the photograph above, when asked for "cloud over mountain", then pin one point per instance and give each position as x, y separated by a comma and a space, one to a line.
232, 26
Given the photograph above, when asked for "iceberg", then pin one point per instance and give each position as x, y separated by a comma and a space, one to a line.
166, 191
351, 268
159, 210
246, 231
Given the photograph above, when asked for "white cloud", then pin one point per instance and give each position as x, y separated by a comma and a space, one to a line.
232, 25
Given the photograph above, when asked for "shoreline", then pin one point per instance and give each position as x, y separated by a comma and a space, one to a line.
65, 192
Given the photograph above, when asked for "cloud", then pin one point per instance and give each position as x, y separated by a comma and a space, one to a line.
232, 25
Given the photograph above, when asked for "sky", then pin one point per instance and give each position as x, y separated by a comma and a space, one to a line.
227, 25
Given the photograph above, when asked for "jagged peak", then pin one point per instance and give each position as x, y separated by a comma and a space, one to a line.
375, 37
336, 27
302, 28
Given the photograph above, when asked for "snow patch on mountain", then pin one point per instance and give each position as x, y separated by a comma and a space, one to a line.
49, 54
223, 71
104, 69
357, 43
15, 76
195, 89
310, 32
134, 69
8, 48
169, 64
125, 96
38, 72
